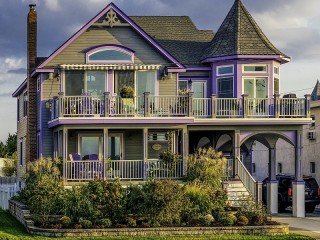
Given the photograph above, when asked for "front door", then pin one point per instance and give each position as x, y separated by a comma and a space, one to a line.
115, 146
199, 89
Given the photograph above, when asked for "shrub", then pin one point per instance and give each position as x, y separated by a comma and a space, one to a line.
43, 193
85, 223
207, 220
137, 200
227, 220
207, 166
258, 220
65, 221
105, 222
242, 221
198, 202
131, 222
10, 165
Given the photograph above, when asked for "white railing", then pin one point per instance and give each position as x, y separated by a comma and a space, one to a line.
74, 106
79, 170
260, 107
201, 107
181, 106
159, 170
168, 105
228, 107
292, 107
7, 191
125, 169
126, 106
248, 181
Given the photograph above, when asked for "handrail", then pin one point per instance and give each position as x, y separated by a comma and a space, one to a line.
248, 181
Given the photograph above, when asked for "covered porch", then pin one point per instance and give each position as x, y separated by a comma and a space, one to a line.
131, 154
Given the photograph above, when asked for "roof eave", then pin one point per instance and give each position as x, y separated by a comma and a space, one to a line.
279, 58
22, 86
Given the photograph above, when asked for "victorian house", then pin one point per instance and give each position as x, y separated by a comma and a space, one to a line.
124, 89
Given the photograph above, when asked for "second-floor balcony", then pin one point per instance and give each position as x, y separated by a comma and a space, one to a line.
109, 106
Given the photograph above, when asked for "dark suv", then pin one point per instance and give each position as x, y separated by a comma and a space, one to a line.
312, 192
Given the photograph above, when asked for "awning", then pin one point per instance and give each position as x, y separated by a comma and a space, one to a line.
110, 67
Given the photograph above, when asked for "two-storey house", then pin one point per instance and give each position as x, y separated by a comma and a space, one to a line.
122, 90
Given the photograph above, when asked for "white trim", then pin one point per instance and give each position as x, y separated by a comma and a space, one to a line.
122, 149
255, 78
224, 74
205, 86
87, 134
258, 65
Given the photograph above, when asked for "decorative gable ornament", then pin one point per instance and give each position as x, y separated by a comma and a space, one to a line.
111, 19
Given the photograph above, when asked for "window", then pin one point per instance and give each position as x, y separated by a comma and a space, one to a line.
224, 70
38, 84
89, 143
183, 87
276, 86
21, 153
313, 124
80, 82
312, 167
254, 68
225, 87
279, 167
110, 54
123, 78
25, 104
255, 87
18, 108
276, 70
253, 168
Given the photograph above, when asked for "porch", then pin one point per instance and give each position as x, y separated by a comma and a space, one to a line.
110, 106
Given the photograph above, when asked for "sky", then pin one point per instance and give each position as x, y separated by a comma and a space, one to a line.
291, 25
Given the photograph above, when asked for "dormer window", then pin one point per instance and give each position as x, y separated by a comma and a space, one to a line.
110, 54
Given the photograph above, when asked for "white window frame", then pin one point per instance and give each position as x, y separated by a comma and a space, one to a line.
224, 74
84, 134
255, 77
274, 72
205, 86
121, 135
258, 65
86, 80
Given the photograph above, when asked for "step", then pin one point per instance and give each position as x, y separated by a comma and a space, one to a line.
245, 193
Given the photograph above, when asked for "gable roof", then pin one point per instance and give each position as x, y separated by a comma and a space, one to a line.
315, 95
178, 35
126, 19
239, 34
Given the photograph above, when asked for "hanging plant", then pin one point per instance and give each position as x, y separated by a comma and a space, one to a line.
127, 92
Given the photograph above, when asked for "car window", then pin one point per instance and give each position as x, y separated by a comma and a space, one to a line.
286, 182
311, 183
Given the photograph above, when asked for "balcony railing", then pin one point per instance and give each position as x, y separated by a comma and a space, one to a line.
179, 106
85, 170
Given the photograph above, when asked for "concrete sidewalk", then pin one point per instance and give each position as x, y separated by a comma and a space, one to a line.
309, 226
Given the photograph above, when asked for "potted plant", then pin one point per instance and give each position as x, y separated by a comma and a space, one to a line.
127, 92
170, 159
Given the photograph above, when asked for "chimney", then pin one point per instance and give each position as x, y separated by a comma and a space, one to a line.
31, 136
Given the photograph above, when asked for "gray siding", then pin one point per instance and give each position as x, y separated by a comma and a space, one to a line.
204, 74
50, 88
125, 36
168, 86
133, 145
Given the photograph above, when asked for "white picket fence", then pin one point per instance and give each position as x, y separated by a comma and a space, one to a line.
7, 191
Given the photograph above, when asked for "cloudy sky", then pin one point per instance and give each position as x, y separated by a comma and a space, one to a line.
291, 25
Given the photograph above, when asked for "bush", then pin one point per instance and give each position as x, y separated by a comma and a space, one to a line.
258, 220
105, 222
137, 200
10, 165
65, 221
207, 220
131, 222
227, 220
43, 193
85, 223
198, 202
207, 166
242, 221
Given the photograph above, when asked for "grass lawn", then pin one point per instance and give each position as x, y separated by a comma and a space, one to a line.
11, 229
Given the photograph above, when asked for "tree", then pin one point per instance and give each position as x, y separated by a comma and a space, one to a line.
10, 146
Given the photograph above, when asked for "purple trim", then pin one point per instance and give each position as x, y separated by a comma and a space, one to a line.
22, 86
44, 70
110, 82
190, 78
120, 48
198, 68
176, 70
40, 118
298, 183
128, 20
234, 57
128, 121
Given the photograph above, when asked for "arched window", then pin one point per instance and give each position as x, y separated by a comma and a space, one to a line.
110, 54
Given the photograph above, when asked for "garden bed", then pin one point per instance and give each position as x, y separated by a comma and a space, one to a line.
22, 214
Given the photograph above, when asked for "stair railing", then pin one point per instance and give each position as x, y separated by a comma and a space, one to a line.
253, 187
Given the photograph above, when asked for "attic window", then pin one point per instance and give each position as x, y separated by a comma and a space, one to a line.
110, 54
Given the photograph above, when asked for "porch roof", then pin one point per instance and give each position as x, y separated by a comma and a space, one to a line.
110, 66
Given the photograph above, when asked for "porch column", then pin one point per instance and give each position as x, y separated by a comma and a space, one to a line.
213, 106
106, 96
61, 105
244, 105
276, 99
272, 185
105, 153
298, 192
65, 152
145, 154
307, 105
236, 151
185, 150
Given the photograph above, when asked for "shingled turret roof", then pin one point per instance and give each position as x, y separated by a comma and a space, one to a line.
315, 95
239, 34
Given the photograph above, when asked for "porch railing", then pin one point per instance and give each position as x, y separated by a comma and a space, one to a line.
85, 170
181, 106
253, 187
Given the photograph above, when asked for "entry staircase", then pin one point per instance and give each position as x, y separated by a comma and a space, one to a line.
243, 187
